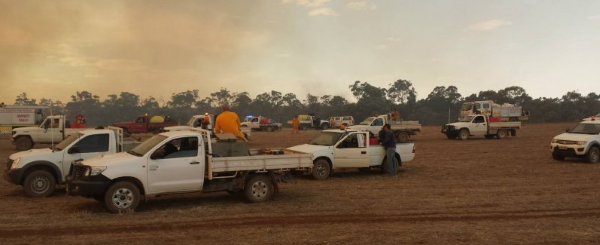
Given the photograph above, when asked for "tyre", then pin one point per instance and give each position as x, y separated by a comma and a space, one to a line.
23, 143
259, 188
325, 126
558, 157
593, 155
269, 129
402, 137
303, 127
321, 169
121, 197
450, 137
39, 183
463, 134
501, 134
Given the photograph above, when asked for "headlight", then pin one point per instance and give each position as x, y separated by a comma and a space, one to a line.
15, 163
581, 142
96, 170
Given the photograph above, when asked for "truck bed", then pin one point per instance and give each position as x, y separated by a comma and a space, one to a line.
263, 159
516, 125
405, 125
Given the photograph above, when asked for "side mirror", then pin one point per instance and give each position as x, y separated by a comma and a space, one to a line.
73, 150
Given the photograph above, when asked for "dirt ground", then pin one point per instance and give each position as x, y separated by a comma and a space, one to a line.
479, 191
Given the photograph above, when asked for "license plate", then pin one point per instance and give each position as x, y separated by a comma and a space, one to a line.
560, 147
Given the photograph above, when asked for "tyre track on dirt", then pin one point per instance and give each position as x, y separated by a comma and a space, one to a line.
298, 220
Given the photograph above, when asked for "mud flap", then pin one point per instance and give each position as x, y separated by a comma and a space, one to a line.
274, 182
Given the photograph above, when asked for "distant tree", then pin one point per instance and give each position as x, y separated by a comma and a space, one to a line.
513, 95
23, 100
223, 96
183, 99
402, 92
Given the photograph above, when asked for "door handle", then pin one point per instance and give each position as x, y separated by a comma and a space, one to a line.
363, 152
195, 162
152, 167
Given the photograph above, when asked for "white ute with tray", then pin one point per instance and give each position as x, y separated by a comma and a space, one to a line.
183, 161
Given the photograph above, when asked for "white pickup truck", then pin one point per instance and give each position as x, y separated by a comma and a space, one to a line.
480, 126
51, 130
582, 141
178, 162
338, 149
40, 170
403, 130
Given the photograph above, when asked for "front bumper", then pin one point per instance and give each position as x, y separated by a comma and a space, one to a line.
449, 130
87, 187
567, 150
13, 175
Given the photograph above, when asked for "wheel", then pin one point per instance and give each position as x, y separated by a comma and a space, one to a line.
121, 197
501, 134
303, 127
365, 170
402, 136
321, 169
23, 143
259, 188
325, 126
39, 183
488, 136
593, 155
269, 129
463, 134
450, 137
558, 157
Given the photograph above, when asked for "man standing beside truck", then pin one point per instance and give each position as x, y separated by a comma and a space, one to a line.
389, 143
229, 122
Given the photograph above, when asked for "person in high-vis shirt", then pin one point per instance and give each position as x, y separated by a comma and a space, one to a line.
229, 122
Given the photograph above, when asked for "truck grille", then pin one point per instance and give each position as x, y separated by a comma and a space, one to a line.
566, 142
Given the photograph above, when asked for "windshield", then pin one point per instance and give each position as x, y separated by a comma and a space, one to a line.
367, 121
326, 138
585, 128
147, 145
66, 142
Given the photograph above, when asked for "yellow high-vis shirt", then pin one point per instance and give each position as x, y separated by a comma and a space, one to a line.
228, 122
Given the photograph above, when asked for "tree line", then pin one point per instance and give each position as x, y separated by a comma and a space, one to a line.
440, 106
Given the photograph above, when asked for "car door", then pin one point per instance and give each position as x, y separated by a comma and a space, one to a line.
177, 169
86, 147
352, 151
478, 126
